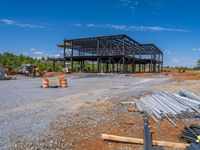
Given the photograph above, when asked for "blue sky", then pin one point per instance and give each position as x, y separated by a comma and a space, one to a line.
34, 27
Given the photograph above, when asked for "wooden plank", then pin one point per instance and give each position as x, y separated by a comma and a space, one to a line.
128, 102
132, 109
141, 141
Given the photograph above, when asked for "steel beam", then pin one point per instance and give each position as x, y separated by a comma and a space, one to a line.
109, 48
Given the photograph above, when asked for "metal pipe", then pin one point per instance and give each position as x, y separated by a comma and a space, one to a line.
147, 135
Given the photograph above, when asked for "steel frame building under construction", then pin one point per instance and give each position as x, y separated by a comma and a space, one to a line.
115, 53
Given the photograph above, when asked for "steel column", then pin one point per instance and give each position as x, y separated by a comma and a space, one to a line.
98, 51
72, 55
54, 64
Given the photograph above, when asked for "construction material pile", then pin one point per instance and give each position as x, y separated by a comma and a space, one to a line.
164, 104
191, 133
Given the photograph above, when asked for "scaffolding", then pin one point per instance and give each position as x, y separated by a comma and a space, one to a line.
115, 53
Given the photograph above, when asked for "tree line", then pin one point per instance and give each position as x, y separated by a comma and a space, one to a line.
15, 61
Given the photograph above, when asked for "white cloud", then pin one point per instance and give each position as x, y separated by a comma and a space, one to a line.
21, 24
175, 60
29, 25
180, 62
196, 49
91, 25
38, 52
129, 4
32, 49
121, 27
57, 55
133, 27
155, 28
167, 52
7, 21
78, 25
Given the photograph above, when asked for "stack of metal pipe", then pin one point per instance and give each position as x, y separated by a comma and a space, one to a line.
191, 133
165, 104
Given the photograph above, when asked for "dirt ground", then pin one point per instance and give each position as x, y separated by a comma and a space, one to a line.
55, 74
183, 76
189, 80
172, 73
130, 124
123, 123
81, 130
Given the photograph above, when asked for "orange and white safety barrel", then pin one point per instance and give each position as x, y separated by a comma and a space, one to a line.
45, 83
63, 82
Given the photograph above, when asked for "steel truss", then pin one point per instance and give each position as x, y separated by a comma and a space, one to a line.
115, 53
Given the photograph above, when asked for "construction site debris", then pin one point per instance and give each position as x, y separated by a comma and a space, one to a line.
30, 70
65, 70
9, 70
191, 133
141, 141
81, 129
4, 75
163, 104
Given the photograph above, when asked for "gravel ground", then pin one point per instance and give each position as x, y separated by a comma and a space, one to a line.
26, 110
78, 130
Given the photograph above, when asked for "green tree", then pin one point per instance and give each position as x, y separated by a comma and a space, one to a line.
15, 61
